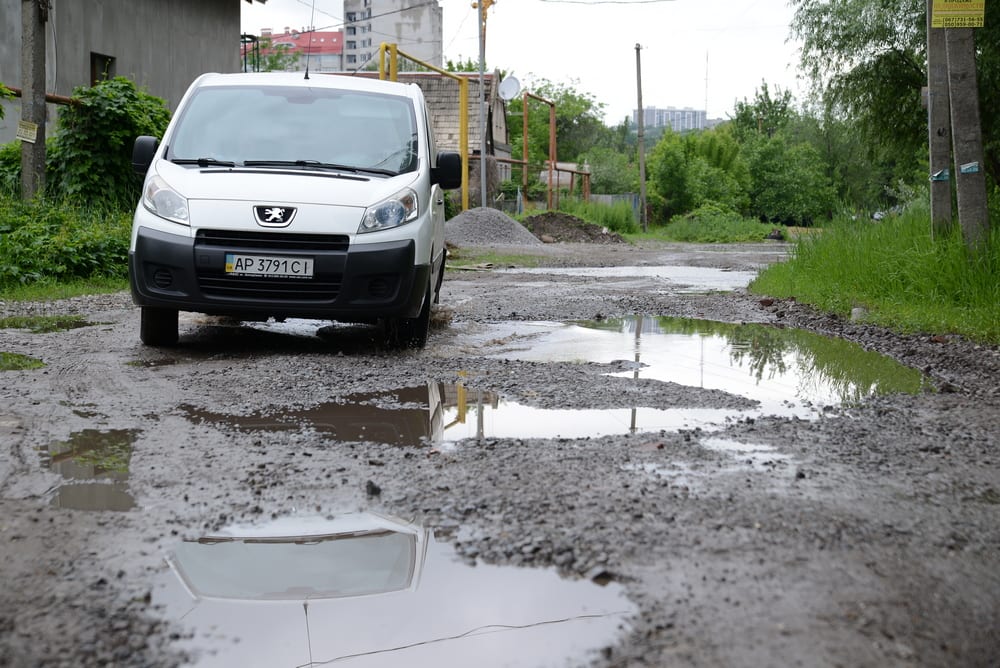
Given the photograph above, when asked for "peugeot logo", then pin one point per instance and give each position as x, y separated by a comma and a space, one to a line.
274, 216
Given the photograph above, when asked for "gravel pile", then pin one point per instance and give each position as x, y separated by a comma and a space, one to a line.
487, 227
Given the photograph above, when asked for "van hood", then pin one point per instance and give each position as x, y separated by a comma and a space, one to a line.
282, 185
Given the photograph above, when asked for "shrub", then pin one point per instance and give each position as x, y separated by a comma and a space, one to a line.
711, 223
617, 217
41, 240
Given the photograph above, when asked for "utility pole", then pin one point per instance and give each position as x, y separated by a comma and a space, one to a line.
483, 5
641, 139
967, 136
31, 129
938, 128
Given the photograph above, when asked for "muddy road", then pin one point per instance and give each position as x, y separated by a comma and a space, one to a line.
617, 459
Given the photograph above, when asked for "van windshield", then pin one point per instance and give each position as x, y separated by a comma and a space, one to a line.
297, 124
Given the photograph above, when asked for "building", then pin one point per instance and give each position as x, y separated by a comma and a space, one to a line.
320, 51
162, 46
416, 26
679, 120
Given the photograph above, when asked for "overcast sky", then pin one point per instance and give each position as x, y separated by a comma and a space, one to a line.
692, 50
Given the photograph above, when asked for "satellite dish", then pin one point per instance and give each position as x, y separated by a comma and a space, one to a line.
509, 88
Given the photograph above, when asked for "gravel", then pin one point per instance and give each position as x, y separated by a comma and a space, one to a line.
486, 227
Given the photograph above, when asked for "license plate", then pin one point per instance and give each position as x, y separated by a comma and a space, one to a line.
271, 266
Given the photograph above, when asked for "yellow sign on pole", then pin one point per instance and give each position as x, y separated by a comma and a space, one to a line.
958, 13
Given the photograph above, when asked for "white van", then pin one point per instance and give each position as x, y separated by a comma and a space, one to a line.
274, 195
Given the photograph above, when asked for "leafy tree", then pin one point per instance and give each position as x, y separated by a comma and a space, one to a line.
766, 114
611, 171
273, 57
579, 124
868, 61
789, 184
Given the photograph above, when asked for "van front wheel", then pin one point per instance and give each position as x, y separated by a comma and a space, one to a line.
410, 332
158, 326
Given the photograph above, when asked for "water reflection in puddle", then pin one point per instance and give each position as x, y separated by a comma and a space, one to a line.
789, 371
95, 466
690, 279
362, 589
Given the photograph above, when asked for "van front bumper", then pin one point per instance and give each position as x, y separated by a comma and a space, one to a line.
349, 283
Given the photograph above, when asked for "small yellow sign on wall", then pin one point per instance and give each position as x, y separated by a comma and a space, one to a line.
27, 131
958, 13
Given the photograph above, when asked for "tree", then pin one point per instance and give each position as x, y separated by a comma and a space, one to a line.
579, 125
766, 114
868, 60
273, 57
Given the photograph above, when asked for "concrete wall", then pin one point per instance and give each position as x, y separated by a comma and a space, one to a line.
162, 45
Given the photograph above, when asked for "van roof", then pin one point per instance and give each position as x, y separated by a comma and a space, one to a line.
317, 80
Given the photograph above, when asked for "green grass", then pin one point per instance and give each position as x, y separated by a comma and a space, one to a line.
43, 324
905, 279
617, 217
15, 362
50, 290
471, 257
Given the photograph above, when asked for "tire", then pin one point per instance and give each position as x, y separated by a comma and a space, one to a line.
410, 332
158, 326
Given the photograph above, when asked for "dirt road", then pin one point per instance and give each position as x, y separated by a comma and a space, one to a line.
608, 466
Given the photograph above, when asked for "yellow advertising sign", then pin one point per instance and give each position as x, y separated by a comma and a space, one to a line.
958, 13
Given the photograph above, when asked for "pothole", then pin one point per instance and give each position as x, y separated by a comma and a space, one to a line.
95, 467
378, 590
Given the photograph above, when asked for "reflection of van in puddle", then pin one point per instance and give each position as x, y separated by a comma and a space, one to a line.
298, 559
273, 195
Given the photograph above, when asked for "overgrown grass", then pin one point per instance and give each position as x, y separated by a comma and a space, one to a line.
617, 217
16, 362
50, 290
42, 241
895, 270
711, 224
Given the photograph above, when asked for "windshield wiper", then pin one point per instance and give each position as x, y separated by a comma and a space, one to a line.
203, 162
316, 164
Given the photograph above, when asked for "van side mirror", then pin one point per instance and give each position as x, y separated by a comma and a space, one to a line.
448, 173
142, 153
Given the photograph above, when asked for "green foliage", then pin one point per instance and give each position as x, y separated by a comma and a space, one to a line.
16, 362
272, 57
43, 324
611, 171
578, 123
710, 223
690, 170
766, 115
5, 94
868, 61
44, 241
788, 181
894, 269
617, 217
90, 158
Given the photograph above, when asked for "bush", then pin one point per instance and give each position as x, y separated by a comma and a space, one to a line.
89, 157
617, 217
42, 241
711, 223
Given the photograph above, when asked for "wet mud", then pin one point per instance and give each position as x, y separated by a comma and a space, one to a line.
639, 466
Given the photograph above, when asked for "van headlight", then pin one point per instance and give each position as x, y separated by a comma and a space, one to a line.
164, 201
398, 210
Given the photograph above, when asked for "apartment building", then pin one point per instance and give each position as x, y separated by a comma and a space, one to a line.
679, 120
416, 26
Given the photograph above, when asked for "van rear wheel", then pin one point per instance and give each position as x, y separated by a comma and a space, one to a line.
158, 326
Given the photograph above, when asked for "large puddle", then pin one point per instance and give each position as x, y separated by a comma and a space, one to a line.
682, 279
95, 467
366, 590
790, 373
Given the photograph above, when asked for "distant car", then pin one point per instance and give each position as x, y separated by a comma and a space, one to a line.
274, 195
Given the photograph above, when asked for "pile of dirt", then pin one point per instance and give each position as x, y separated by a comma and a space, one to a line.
555, 226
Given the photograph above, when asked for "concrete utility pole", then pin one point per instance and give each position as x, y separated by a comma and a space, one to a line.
967, 136
482, 5
938, 128
31, 129
641, 139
